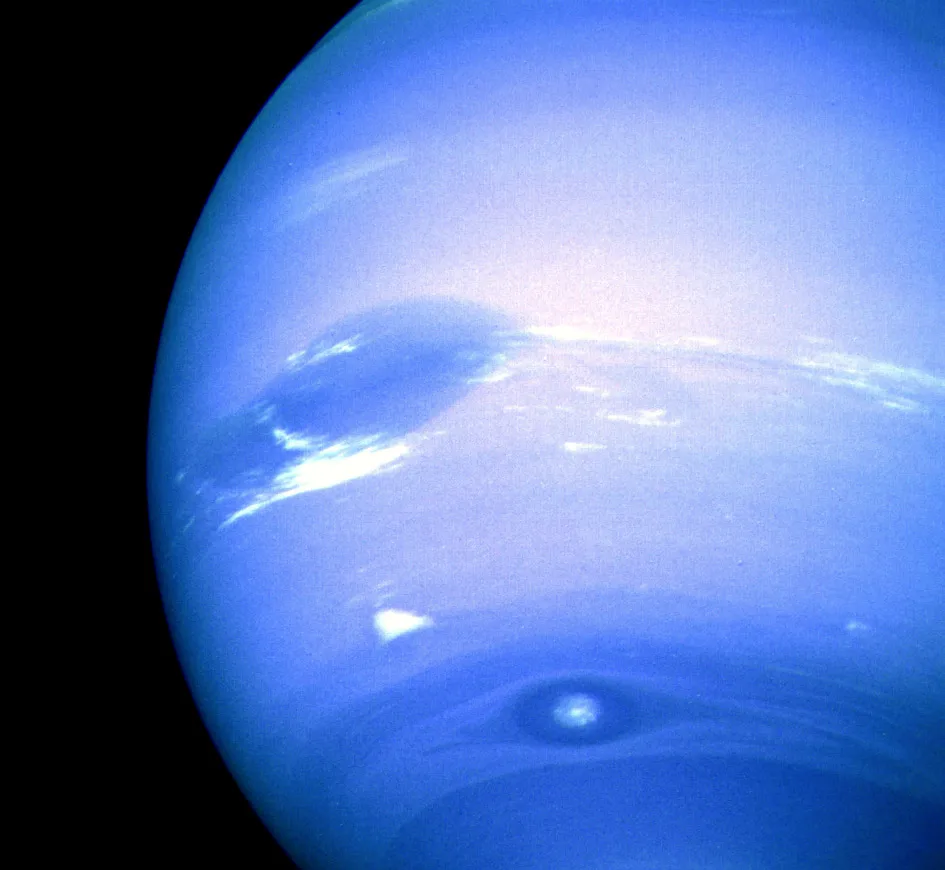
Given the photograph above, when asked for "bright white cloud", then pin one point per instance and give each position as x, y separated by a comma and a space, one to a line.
391, 623
323, 469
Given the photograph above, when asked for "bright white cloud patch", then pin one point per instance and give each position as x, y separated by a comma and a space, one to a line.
323, 469
580, 447
391, 623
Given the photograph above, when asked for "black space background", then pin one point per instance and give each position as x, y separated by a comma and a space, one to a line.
182, 92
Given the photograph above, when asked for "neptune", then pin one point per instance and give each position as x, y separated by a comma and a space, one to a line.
545, 463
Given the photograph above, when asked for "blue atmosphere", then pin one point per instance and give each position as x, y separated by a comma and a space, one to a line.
546, 441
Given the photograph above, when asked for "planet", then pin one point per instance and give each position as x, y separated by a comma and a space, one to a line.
545, 447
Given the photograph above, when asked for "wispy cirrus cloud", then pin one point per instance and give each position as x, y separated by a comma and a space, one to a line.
331, 183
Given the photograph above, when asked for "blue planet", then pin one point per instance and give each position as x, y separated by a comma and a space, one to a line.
546, 445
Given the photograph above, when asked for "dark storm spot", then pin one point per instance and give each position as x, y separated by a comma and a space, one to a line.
377, 375
388, 370
576, 711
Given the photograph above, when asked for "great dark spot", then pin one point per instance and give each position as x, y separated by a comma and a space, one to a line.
370, 378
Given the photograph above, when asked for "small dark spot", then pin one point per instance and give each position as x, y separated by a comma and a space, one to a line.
576, 711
